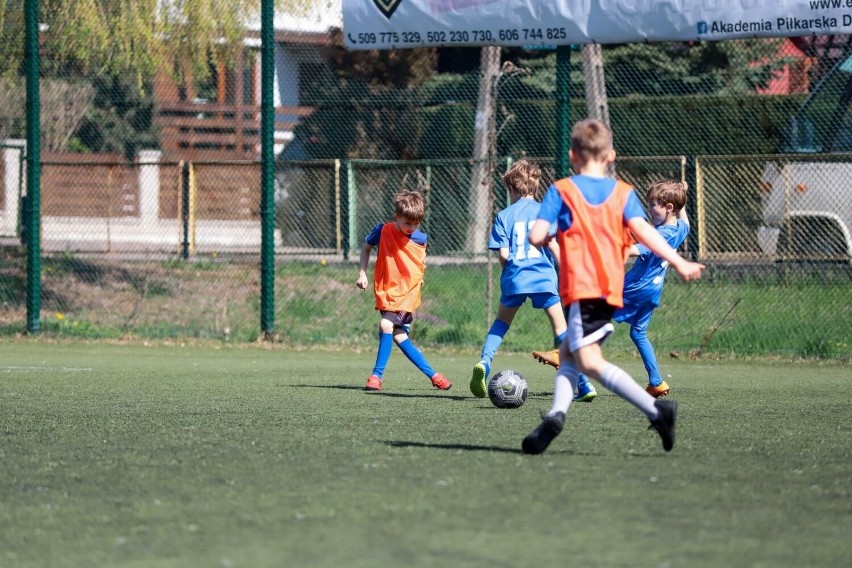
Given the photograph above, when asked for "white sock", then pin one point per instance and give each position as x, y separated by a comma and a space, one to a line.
622, 384
563, 388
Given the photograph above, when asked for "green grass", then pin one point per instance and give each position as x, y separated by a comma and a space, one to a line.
176, 456
756, 312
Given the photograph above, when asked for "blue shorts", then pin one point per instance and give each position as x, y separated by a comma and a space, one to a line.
540, 300
638, 316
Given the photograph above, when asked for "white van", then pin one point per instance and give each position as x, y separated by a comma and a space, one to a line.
807, 198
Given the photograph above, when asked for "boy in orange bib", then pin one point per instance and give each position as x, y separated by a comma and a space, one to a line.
595, 215
397, 279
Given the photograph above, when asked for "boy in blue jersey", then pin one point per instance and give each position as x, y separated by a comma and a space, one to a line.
527, 273
643, 283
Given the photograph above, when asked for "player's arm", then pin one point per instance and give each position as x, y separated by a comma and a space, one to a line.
503, 255
540, 233
362, 266
553, 247
646, 234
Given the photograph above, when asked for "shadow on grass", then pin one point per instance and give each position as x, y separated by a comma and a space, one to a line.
467, 447
385, 393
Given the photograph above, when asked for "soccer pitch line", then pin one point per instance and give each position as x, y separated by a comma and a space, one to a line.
9, 368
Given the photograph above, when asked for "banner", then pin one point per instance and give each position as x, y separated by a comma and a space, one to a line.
391, 24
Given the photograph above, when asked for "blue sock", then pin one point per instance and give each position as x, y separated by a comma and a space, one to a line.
646, 350
383, 354
415, 356
495, 338
557, 341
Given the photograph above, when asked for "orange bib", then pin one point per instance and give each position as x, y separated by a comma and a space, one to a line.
594, 248
400, 265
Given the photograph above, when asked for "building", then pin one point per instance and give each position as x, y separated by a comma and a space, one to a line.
221, 120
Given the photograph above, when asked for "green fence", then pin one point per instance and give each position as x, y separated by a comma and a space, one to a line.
150, 204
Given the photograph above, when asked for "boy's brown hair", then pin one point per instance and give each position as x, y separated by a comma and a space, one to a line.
591, 139
410, 204
668, 191
523, 178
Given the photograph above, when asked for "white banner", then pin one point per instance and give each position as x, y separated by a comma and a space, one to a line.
390, 24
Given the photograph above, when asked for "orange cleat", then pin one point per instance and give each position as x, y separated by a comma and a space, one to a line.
439, 381
547, 357
658, 391
374, 383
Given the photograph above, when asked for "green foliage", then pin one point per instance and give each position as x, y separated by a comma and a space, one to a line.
660, 96
668, 68
135, 36
700, 125
12, 32
700, 68
447, 133
120, 119
382, 69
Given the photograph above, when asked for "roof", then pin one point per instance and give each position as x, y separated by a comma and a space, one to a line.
323, 14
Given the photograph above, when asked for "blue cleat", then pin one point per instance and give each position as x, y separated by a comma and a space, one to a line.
585, 392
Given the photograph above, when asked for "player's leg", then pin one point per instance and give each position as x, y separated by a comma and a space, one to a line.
401, 321
509, 306
374, 381
552, 307
588, 326
585, 390
553, 422
657, 387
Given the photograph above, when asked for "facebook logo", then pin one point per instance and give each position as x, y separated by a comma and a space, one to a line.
702, 28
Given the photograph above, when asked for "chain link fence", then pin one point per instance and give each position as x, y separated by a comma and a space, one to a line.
151, 186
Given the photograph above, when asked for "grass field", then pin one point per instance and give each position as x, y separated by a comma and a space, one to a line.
176, 456
737, 311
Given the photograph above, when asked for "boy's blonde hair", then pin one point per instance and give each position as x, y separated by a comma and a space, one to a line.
591, 139
523, 178
410, 204
668, 191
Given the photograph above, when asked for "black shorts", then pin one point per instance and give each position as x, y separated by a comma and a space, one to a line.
589, 321
398, 319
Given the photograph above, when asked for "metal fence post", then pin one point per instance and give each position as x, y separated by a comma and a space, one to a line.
563, 109
267, 164
352, 213
33, 159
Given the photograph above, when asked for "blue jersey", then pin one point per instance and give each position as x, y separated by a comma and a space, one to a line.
595, 190
528, 270
643, 283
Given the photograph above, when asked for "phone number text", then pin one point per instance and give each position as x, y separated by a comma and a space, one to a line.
458, 36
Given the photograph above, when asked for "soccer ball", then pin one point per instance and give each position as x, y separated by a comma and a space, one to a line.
507, 389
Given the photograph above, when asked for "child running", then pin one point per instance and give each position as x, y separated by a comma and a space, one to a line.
643, 283
397, 279
527, 273
595, 215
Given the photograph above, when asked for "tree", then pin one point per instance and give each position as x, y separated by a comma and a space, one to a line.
136, 36
673, 68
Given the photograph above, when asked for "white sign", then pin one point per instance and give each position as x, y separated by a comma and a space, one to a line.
390, 24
